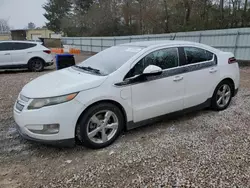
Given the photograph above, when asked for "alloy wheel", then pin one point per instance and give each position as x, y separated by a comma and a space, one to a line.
37, 65
102, 126
223, 95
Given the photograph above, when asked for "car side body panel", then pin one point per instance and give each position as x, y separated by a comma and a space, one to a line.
5, 58
229, 70
119, 95
109, 90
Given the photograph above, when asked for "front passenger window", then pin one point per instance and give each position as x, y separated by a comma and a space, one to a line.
165, 59
5, 46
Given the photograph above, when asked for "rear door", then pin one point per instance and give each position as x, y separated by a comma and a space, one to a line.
5, 54
21, 52
201, 75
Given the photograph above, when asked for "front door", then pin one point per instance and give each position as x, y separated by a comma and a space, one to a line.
157, 95
19, 54
5, 54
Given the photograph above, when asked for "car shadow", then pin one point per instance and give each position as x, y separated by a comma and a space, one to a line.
17, 71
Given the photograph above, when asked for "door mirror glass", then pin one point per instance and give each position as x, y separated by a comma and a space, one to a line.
152, 70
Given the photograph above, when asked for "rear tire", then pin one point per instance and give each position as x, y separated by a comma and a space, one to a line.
222, 96
100, 125
36, 65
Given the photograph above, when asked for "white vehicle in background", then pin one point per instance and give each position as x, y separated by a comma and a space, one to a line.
24, 54
125, 87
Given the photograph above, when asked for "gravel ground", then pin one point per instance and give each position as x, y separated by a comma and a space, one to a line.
201, 149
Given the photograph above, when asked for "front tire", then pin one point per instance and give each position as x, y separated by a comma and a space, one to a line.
100, 125
36, 65
222, 96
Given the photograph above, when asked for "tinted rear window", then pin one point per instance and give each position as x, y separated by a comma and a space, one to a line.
197, 55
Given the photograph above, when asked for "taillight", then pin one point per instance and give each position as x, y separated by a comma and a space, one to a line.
47, 51
232, 60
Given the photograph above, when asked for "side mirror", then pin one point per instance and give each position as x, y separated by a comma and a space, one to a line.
152, 70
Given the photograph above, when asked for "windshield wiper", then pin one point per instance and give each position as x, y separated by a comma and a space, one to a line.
90, 69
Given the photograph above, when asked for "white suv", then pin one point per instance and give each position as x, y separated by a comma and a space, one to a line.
24, 54
125, 87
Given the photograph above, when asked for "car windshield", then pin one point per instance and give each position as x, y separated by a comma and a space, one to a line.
109, 60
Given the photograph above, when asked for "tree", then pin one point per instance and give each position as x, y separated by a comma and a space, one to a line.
4, 26
132, 17
81, 8
244, 19
187, 6
31, 25
83, 5
221, 11
56, 11
166, 15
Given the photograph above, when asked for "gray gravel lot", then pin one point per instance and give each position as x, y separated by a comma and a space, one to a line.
201, 149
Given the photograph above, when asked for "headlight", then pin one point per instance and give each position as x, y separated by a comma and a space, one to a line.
39, 103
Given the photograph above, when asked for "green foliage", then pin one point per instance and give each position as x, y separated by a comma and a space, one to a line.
130, 17
31, 25
82, 5
56, 11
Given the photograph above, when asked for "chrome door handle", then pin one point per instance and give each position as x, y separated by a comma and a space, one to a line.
213, 70
178, 78
7, 54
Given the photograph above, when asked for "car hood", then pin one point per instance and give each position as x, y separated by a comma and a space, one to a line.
61, 82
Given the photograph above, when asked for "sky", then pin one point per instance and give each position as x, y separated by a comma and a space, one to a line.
20, 12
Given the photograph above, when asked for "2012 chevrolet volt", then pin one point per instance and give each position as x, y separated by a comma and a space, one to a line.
124, 87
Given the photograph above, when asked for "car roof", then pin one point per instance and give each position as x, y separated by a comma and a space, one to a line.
21, 41
159, 43
155, 43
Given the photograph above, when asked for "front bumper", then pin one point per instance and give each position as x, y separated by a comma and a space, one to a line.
65, 114
58, 143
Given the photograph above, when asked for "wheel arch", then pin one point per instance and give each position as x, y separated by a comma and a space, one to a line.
231, 81
103, 101
231, 84
36, 57
226, 78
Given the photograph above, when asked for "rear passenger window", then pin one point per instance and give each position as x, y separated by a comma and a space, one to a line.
210, 55
22, 46
197, 55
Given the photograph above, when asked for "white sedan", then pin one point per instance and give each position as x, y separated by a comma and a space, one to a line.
124, 87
